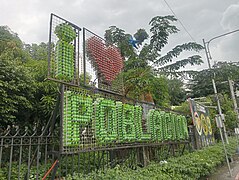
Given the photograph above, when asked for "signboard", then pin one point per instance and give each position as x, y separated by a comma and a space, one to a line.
93, 117
93, 120
219, 123
201, 121
236, 131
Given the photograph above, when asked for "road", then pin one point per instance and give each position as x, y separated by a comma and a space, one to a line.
222, 172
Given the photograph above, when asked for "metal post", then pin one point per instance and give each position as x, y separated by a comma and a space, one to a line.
84, 58
49, 49
215, 91
231, 84
62, 87
225, 151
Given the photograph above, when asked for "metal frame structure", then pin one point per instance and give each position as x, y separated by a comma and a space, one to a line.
52, 46
30, 153
34, 152
101, 82
22, 149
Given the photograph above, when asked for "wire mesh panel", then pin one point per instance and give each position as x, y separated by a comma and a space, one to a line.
94, 120
63, 56
103, 62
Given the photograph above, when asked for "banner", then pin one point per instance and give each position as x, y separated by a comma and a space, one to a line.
201, 121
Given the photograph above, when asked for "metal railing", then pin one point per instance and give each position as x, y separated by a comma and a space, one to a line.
29, 153
24, 153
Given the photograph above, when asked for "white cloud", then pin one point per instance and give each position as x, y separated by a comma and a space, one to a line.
228, 45
203, 19
230, 19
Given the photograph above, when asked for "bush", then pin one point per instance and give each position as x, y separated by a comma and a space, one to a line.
189, 166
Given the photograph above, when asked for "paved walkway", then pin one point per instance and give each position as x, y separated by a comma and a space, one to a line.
222, 173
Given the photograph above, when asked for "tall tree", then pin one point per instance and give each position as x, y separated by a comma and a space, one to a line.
37, 52
16, 91
161, 28
145, 64
176, 91
201, 84
25, 95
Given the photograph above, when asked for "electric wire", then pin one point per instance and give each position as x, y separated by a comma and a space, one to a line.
179, 21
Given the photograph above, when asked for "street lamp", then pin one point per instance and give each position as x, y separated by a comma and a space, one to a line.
209, 57
208, 42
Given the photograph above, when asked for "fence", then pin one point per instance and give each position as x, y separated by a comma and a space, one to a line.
29, 153
24, 152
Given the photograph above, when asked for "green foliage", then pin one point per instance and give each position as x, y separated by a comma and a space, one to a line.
22, 172
45, 91
26, 98
88, 79
190, 166
65, 32
141, 35
137, 82
7, 35
161, 28
160, 91
16, 91
144, 68
172, 68
201, 85
117, 36
37, 52
176, 91
230, 115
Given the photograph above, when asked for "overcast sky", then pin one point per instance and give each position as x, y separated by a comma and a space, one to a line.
202, 18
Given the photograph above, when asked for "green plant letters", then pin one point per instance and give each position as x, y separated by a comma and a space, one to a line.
113, 121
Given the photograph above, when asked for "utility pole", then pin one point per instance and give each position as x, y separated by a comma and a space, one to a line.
215, 91
221, 116
231, 85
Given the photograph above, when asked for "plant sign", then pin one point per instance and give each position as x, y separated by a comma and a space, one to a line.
63, 51
105, 58
92, 121
92, 118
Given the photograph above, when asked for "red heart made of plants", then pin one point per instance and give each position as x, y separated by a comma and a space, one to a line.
107, 60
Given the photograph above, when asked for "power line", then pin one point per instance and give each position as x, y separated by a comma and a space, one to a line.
179, 21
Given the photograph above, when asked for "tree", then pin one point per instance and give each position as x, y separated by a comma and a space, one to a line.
143, 67
26, 97
7, 35
161, 28
230, 115
176, 91
201, 84
37, 52
45, 93
16, 92
11, 45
